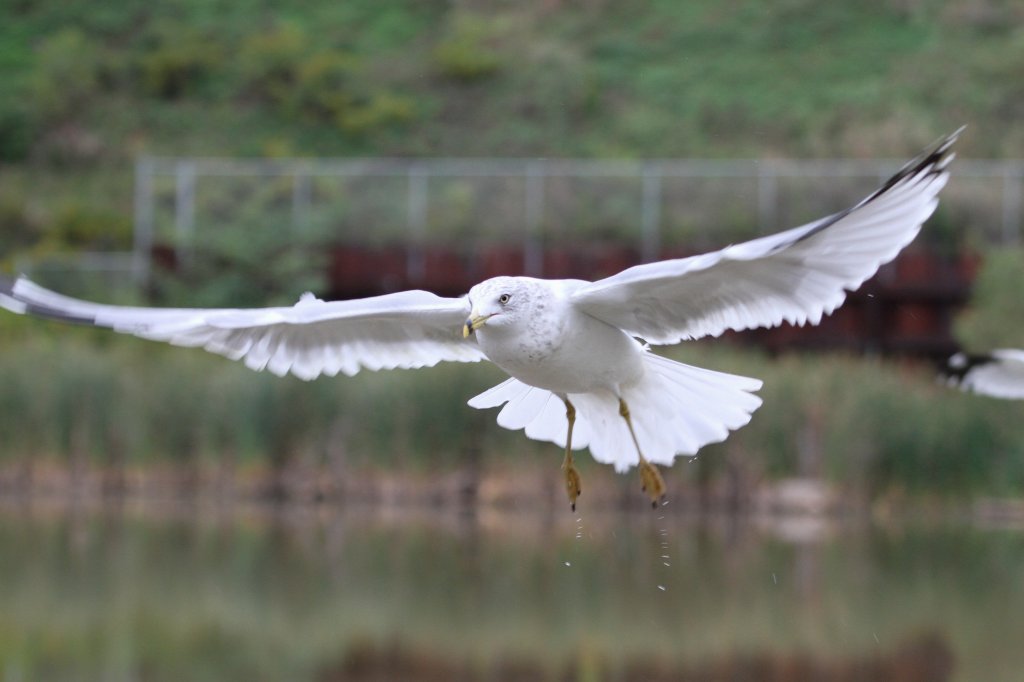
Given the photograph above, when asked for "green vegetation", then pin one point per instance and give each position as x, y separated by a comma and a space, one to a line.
870, 426
995, 317
89, 88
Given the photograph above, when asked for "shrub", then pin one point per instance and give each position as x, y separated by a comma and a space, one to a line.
464, 55
269, 63
66, 75
17, 130
80, 226
995, 315
178, 62
18, 231
380, 110
324, 85
256, 265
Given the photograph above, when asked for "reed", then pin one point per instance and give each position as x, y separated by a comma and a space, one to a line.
869, 424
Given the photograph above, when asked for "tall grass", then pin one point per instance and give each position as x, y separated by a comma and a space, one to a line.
867, 424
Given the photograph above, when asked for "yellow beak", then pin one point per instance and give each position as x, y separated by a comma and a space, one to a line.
473, 323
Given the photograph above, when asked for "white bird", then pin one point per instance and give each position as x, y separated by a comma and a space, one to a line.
581, 371
999, 374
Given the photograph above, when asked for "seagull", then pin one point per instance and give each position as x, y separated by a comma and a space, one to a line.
999, 373
581, 371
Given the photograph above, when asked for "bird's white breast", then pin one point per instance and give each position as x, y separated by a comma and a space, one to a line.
563, 350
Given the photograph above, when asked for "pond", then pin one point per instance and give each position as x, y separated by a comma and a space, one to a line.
330, 594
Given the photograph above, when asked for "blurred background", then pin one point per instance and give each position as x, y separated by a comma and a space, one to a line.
165, 514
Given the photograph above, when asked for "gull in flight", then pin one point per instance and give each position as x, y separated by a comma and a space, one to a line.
999, 373
577, 353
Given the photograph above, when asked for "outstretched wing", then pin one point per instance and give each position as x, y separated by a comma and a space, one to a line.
795, 276
999, 374
313, 337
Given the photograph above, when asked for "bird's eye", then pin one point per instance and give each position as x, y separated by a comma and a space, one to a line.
503, 299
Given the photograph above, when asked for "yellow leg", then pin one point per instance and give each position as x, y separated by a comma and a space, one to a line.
650, 478
572, 476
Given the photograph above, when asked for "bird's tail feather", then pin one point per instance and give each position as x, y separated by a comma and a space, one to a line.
676, 409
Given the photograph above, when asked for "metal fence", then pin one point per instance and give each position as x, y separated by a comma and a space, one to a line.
529, 203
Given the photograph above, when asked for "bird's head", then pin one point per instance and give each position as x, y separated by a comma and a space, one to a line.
495, 302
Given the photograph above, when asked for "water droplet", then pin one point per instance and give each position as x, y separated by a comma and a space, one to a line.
664, 556
665, 563
567, 563
661, 587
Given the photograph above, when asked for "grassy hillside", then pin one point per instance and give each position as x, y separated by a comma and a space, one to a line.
89, 86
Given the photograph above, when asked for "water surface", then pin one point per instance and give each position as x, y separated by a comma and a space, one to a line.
328, 594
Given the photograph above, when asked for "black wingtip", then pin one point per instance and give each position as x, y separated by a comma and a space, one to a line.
960, 364
932, 161
58, 315
11, 301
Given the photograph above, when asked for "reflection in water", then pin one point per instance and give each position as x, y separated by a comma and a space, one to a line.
346, 595
923, 659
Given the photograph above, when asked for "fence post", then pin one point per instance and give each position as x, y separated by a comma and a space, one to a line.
184, 207
301, 198
767, 196
415, 266
533, 250
650, 218
1011, 202
142, 231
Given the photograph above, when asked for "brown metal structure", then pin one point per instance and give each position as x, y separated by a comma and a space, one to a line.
906, 309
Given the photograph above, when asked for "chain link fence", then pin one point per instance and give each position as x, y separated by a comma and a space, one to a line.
659, 207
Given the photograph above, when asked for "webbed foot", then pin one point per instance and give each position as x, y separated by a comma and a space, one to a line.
572, 474
572, 482
651, 482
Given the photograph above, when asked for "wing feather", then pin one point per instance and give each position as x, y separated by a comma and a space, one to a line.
313, 337
796, 276
999, 374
